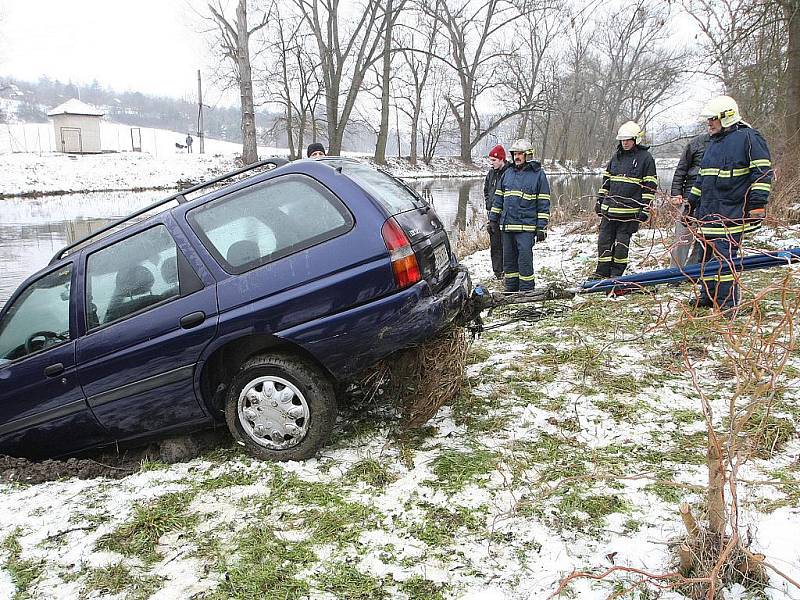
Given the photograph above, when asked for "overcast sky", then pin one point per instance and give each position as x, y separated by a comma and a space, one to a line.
143, 45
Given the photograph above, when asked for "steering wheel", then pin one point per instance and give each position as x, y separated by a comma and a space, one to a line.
32, 339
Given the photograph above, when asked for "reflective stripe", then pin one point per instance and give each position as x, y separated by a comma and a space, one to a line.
544, 196
725, 173
723, 278
604, 259
516, 227
738, 172
649, 196
545, 216
497, 210
519, 194
696, 191
705, 172
722, 230
764, 187
650, 178
619, 210
602, 191
761, 162
526, 277
625, 179
606, 174
620, 260
711, 278
512, 275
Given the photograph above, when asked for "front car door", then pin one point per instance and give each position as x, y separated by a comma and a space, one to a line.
43, 411
148, 314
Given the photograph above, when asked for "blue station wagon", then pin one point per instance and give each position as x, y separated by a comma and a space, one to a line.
245, 305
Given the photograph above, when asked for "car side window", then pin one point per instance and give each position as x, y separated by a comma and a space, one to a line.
270, 220
38, 318
131, 275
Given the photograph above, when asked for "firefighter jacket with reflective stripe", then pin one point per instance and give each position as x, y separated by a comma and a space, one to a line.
689, 165
629, 185
522, 199
490, 183
735, 177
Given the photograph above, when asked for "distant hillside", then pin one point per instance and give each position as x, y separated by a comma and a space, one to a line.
29, 102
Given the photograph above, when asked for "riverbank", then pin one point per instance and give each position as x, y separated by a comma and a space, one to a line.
32, 175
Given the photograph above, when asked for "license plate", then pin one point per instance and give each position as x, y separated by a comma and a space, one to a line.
441, 258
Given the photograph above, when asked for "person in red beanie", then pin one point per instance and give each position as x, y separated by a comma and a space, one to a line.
497, 159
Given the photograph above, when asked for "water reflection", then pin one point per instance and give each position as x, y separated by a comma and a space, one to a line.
32, 230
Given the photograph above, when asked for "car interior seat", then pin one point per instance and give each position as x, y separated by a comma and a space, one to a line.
132, 292
242, 252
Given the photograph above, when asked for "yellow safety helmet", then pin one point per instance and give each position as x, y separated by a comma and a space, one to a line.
522, 145
630, 131
723, 108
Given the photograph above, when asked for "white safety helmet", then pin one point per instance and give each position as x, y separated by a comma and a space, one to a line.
723, 108
522, 145
630, 131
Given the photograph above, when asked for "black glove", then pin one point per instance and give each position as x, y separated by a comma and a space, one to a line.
598, 208
644, 216
493, 227
541, 235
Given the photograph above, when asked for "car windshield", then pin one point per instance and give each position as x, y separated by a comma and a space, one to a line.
393, 195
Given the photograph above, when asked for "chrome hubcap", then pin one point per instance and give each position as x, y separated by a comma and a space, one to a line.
273, 412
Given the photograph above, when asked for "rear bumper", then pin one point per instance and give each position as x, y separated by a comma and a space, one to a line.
353, 340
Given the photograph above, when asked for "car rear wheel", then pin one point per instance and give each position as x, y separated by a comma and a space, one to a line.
280, 407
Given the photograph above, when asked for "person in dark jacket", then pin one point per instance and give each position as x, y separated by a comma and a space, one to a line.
497, 159
623, 200
729, 196
682, 182
315, 150
521, 210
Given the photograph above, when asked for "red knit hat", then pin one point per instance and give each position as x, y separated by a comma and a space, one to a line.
498, 152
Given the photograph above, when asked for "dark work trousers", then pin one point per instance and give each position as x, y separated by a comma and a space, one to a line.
613, 242
496, 251
518, 260
715, 287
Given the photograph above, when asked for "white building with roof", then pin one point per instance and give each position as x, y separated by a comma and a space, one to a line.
77, 127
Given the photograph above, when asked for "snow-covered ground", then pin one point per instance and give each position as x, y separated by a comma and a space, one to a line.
571, 447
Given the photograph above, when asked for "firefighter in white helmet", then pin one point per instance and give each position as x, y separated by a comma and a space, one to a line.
729, 196
521, 210
623, 200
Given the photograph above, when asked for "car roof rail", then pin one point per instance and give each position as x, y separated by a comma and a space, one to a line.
180, 197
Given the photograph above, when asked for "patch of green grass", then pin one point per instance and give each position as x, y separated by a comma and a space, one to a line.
790, 490
470, 409
768, 433
418, 588
228, 479
668, 493
345, 581
555, 457
477, 354
140, 534
261, 566
615, 383
685, 416
454, 469
117, 578
23, 572
532, 394
619, 409
587, 512
440, 524
370, 472
632, 525
340, 522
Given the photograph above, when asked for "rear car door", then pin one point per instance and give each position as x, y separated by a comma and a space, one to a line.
149, 311
43, 411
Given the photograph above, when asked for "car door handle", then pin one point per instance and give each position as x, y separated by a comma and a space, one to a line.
53, 370
193, 319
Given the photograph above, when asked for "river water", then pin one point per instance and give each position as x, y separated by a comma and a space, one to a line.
32, 230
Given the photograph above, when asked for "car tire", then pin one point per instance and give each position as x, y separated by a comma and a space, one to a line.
280, 407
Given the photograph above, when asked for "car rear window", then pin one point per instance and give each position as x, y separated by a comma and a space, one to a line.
391, 193
267, 221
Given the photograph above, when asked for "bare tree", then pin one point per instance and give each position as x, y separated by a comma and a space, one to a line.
391, 14
346, 56
233, 37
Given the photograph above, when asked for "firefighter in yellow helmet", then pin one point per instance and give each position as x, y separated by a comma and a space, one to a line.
623, 200
729, 196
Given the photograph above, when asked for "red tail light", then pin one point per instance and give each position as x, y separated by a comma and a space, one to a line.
404, 261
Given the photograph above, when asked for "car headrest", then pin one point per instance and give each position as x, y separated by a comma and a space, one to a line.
242, 252
134, 281
169, 271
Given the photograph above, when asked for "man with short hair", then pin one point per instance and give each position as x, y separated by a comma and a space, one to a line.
315, 150
729, 196
682, 182
189, 140
623, 200
521, 210
497, 160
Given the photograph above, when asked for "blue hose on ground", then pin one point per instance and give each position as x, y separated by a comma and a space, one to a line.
692, 273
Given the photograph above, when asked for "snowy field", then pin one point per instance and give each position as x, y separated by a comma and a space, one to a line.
571, 447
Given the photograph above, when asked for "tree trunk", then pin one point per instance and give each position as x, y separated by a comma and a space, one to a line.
545, 135
465, 130
249, 153
414, 131
716, 486
383, 131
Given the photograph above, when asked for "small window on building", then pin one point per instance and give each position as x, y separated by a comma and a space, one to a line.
268, 221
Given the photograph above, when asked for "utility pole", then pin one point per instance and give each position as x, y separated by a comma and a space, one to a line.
200, 134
